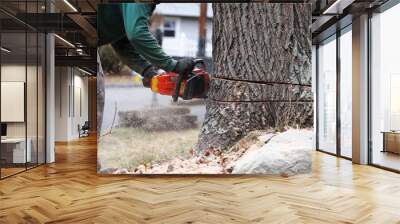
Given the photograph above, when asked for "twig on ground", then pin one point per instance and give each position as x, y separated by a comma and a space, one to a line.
112, 124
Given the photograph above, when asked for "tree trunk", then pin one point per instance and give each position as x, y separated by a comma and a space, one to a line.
100, 96
262, 71
99, 102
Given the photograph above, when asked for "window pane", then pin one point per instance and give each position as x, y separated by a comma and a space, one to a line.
169, 25
327, 96
31, 97
385, 88
169, 28
169, 33
14, 153
346, 93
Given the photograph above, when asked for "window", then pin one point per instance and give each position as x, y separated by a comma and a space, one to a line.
327, 95
169, 28
22, 79
346, 93
385, 89
334, 102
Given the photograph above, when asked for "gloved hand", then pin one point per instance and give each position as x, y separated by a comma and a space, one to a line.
184, 66
147, 74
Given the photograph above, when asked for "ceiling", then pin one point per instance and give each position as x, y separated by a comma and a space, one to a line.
75, 22
80, 15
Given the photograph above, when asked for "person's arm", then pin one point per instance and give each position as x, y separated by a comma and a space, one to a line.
128, 55
134, 61
136, 18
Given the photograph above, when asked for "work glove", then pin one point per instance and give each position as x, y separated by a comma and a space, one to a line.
147, 74
184, 66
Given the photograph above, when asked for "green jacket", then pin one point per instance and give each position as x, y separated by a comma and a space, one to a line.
126, 27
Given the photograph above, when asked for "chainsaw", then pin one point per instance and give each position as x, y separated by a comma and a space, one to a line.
186, 86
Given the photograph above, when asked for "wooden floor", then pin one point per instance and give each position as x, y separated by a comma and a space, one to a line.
386, 159
5, 172
70, 191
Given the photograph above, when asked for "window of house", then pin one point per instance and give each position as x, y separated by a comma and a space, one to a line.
169, 28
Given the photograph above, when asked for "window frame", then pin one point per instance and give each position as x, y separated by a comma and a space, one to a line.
333, 37
170, 29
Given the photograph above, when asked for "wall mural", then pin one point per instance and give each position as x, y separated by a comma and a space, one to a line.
247, 108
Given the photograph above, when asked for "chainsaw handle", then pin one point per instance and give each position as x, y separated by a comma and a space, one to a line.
177, 87
199, 61
182, 76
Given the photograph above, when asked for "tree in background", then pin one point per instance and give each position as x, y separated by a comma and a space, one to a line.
109, 60
201, 49
262, 71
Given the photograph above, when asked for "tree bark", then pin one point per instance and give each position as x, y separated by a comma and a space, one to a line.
100, 96
99, 103
262, 71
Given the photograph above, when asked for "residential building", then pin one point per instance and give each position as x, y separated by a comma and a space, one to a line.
181, 30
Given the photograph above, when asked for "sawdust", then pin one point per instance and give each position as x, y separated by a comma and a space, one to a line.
210, 161
240, 158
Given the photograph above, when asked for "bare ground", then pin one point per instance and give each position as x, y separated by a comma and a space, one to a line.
135, 151
129, 148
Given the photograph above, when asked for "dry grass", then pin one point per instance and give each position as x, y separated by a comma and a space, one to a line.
129, 147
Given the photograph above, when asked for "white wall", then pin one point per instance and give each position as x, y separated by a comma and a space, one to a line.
33, 126
14, 72
17, 73
13, 101
185, 42
80, 104
71, 102
61, 103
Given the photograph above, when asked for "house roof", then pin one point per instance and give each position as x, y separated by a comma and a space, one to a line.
182, 9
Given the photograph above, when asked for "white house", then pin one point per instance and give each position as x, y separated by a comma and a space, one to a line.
181, 29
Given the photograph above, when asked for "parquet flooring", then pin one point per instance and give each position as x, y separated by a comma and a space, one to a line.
11, 170
70, 191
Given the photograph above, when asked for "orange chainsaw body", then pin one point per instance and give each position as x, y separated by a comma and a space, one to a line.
197, 80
